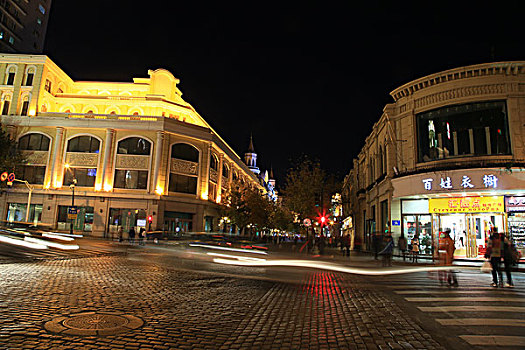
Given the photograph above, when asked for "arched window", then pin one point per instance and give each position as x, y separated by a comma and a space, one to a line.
25, 105
183, 179
83, 144
225, 171
29, 77
10, 77
33, 142
5, 107
214, 163
134, 145
185, 152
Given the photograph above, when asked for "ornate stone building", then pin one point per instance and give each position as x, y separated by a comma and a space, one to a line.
449, 153
136, 151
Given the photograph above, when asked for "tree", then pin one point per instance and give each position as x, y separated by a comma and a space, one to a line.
11, 159
246, 205
303, 187
308, 189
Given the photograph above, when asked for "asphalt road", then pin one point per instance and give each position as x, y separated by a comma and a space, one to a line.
109, 295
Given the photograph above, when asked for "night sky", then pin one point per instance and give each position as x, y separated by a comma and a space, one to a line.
309, 78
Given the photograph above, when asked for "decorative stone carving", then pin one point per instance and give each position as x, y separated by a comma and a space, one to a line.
125, 161
36, 157
183, 167
459, 93
214, 175
82, 159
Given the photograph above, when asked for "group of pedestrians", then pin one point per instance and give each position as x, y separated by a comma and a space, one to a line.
500, 248
131, 235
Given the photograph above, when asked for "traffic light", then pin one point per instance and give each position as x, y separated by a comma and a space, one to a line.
150, 219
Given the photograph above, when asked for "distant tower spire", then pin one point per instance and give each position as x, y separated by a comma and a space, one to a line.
250, 158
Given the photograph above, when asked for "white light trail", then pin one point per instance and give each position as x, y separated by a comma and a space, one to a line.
226, 248
52, 244
21, 243
246, 258
62, 238
333, 267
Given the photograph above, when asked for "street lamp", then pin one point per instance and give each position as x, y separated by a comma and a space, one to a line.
72, 187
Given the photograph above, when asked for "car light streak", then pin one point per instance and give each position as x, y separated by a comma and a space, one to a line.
52, 244
68, 235
62, 238
331, 267
245, 258
226, 248
22, 243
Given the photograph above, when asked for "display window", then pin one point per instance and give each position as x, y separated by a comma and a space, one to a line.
516, 224
418, 227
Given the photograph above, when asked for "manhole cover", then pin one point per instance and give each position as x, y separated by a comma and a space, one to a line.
93, 323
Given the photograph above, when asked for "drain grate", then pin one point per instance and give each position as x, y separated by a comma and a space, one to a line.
93, 323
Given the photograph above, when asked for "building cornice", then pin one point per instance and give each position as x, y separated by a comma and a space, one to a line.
479, 70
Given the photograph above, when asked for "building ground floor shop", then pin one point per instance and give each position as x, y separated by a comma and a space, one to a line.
105, 216
470, 219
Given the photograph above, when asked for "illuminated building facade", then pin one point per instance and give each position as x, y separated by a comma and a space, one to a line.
448, 153
134, 149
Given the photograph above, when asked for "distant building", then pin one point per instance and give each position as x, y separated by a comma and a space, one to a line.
23, 25
266, 179
136, 150
449, 153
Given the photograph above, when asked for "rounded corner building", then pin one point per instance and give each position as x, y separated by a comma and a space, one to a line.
125, 154
449, 153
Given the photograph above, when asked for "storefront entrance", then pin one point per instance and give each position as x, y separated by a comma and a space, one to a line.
470, 232
176, 223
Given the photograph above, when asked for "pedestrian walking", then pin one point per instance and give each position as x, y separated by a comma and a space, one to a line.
507, 259
387, 251
376, 243
493, 253
446, 252
346, 245
415, 249
402, 244
141, 236
131, 235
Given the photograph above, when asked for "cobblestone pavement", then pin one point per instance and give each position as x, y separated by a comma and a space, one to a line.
181, 309
185, 310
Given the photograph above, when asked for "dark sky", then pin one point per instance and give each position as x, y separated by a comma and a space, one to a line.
308, 78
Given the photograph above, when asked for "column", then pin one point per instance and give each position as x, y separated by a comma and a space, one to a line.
157, 188
205, 172
219, 179
108, 146
55, 162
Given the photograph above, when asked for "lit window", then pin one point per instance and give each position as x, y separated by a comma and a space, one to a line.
1, 35
42, 9
11, 40
38, 21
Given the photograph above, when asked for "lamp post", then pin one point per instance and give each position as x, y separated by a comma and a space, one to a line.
72, 186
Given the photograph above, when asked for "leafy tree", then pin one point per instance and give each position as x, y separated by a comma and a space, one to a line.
303, 187
308, 188
246, 205
11, 158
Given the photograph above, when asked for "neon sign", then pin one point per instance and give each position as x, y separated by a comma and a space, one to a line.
489, 181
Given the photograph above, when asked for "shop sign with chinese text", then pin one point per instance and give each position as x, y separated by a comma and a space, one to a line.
491, 204
515, 203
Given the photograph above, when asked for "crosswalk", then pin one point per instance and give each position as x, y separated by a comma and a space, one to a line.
480, 315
